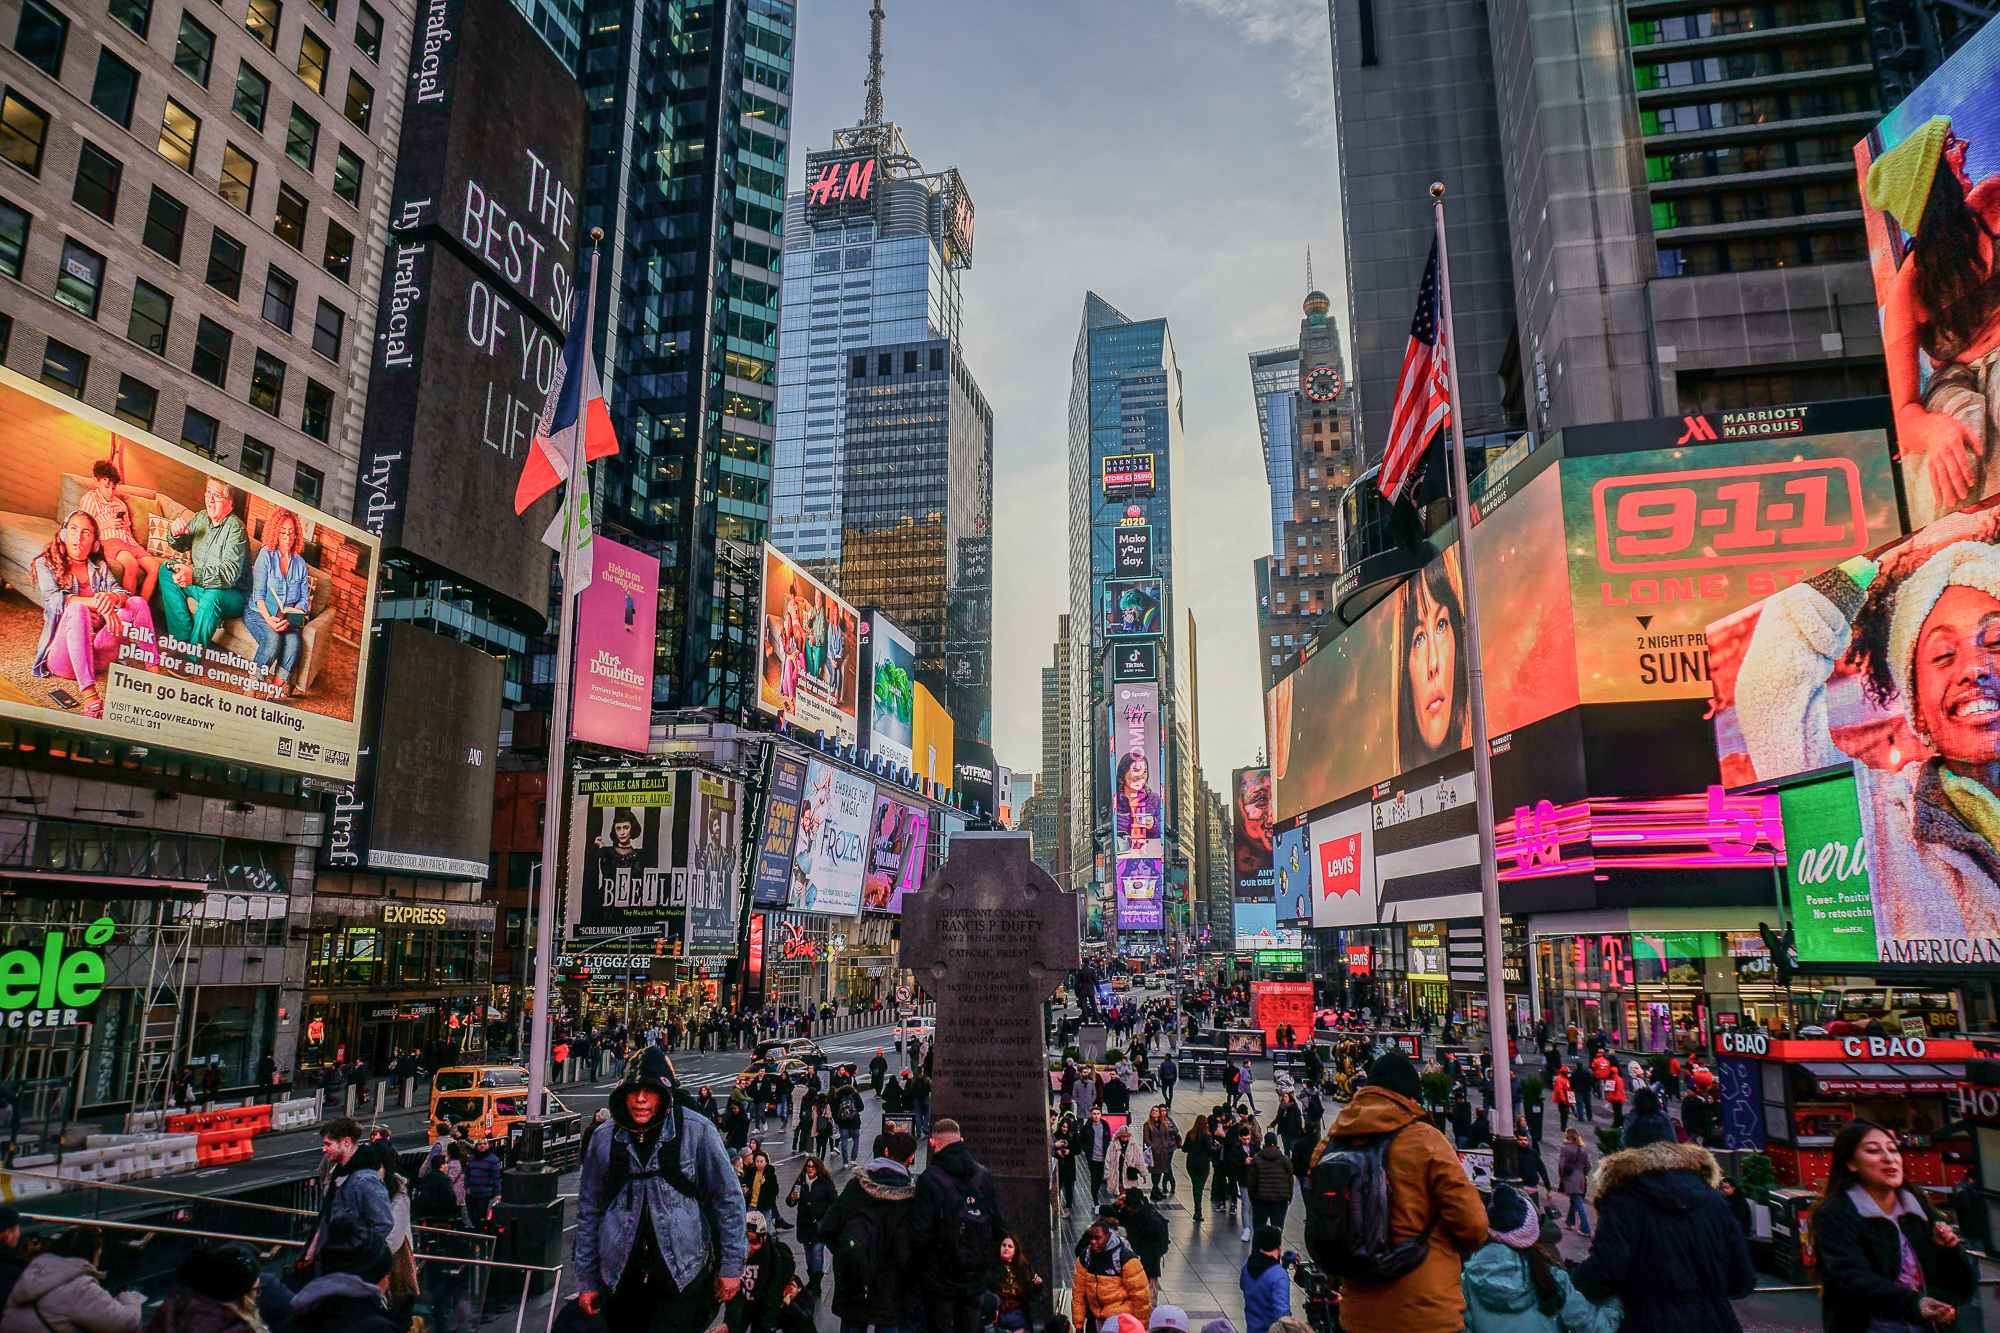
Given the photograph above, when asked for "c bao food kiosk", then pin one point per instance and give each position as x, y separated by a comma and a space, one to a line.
1789, 1098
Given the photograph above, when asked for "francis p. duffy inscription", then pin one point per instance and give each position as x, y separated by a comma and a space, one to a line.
989, 938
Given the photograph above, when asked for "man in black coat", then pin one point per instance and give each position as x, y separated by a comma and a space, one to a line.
957, 1226
873, 1211
1666, 1244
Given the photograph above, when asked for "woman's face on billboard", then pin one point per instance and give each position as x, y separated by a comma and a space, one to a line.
80, 536
1432, 662
1957, 675
1136, 775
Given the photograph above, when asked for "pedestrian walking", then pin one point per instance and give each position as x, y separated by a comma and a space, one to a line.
649, 1255
354, 1189
1199, 1145
1614, 1096
1124, 1165
1245, 1084
957, 1226
868, 1231
1065, 1142
811, 1199
1270, 1184
1170, 1072
1564, 1096
1666, 1245
1097, 1147
1266, 1287
1649, 1124
1885, 1258
847, 1109
1109, 1280
1429, 1196
1573, 1179
1162, 1141
1511, 1286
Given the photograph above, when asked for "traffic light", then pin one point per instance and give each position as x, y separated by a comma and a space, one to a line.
660, 947
1784, 951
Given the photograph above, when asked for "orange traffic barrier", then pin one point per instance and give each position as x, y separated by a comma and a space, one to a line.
256, 1119
219, 1147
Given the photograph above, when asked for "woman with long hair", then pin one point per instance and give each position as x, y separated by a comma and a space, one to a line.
1886, 1260
87, 615
812, 1199
280, 600
1432, 709
1943, 302
1135, 805
1511, 1287
1201, 1150
1015, 1281
1573, 1179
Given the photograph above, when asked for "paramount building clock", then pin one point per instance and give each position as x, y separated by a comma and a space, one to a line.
1323, 384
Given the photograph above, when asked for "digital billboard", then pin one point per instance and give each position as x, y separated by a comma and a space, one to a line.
1344, 888
895, 853
1132, 552
1135, 660
780, 834
810, 669
612, 702
892, 694
1826, 873
1257, 928
476, 296
931, 738
1252, 825
1138, 811
712, 899
621, 860
1929, 172
1127, 473
1132, 606
152, 596
1884, 665
1292, 875
830, 859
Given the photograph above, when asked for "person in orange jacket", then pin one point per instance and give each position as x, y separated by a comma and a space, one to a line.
1565, 1096
1615, 1094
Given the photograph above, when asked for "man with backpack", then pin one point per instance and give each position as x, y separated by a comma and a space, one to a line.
868, 1231
847, 1119
660, 1232
957, 1226
1389, 1209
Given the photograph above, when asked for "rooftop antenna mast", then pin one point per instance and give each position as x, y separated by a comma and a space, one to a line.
871, 110
1309, 270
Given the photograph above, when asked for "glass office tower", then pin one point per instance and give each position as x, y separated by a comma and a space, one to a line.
690, 113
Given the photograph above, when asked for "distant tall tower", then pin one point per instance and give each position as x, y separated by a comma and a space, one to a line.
883, 485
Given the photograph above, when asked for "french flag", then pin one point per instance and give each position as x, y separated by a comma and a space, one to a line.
575, 403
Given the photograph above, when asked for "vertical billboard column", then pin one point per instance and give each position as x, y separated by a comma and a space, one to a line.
830, 859
1138, 814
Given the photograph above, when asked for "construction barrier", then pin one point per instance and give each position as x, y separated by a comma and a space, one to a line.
256, 1119
298, 1113
220, 1147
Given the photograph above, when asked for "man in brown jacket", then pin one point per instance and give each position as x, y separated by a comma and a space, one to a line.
1426, 1182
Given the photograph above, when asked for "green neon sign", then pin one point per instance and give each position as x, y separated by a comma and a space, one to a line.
49, 986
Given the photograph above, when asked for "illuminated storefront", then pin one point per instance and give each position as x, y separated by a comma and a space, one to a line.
390, 975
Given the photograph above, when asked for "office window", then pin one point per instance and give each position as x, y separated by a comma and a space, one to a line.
136, 402
180, 132
13, 238
211, 351
909, 363
317, 419
302, 138
152, 312
307, 483
267, 382
937, 359
289, 222
239, 177
262, 21
281, 294
368, 32
254, 460
315, 58
97, 176
194, 51
360, 100
860, 368
326, 330
41, 36
339, 259
253, 94
330, 8
80, 280
134, 14
166, 225
225, 264
64, 369
347, 175
115, 88
23, 128
200, 431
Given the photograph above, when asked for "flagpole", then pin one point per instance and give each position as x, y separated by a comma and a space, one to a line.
1482, 761
553, 796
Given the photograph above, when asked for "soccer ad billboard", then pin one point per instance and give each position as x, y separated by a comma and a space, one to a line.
892, 692
155, 597
1252, 821
810, 668
612, 703
830, 859
1138, 813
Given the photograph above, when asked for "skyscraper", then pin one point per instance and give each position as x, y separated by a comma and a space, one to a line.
1131, 776
690, 115
1052, 798
883, 485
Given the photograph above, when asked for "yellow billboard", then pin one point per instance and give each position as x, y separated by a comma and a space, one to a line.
931, 736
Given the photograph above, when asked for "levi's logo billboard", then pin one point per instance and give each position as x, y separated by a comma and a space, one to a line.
1340, 866
1797, 511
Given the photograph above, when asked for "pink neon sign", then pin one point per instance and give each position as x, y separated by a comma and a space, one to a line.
1714, 831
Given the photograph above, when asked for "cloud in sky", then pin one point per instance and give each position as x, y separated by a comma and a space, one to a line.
1177, 159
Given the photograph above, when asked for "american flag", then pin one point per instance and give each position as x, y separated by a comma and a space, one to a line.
1423, 397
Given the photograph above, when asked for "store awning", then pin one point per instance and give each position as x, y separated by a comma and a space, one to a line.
1864, 1078
60, 882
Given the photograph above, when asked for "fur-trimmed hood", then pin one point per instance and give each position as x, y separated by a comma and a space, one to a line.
1627, 1169
887, 1186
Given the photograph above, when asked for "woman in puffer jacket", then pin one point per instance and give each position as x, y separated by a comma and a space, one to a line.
1511, 1287
62, 1291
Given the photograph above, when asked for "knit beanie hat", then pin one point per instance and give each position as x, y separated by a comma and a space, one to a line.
1510, 1219
1966, 564
1394, 1072
1899, 181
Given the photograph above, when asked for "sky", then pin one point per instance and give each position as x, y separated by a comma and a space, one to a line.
1177, 158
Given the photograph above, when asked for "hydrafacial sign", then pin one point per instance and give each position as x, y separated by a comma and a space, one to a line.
51, 986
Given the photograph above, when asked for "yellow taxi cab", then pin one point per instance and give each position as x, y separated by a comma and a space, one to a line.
485, 1099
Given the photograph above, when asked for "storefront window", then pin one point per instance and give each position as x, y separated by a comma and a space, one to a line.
454, 961
361, 965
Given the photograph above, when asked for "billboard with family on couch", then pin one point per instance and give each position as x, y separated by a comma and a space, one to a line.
150, 595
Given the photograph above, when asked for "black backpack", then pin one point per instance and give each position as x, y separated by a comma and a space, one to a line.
860, 1253
968, 1226
1347, 1214
434, 1196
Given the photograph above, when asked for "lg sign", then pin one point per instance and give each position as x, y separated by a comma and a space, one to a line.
1340, 866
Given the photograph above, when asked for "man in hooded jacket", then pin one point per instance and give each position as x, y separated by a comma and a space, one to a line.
660, 1239
876, 1205
955, 1197
1427, 1188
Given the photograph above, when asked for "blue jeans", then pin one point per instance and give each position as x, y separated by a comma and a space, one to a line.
850, 1144
1579, 1214
279, 646
816, 1256
920, 1118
